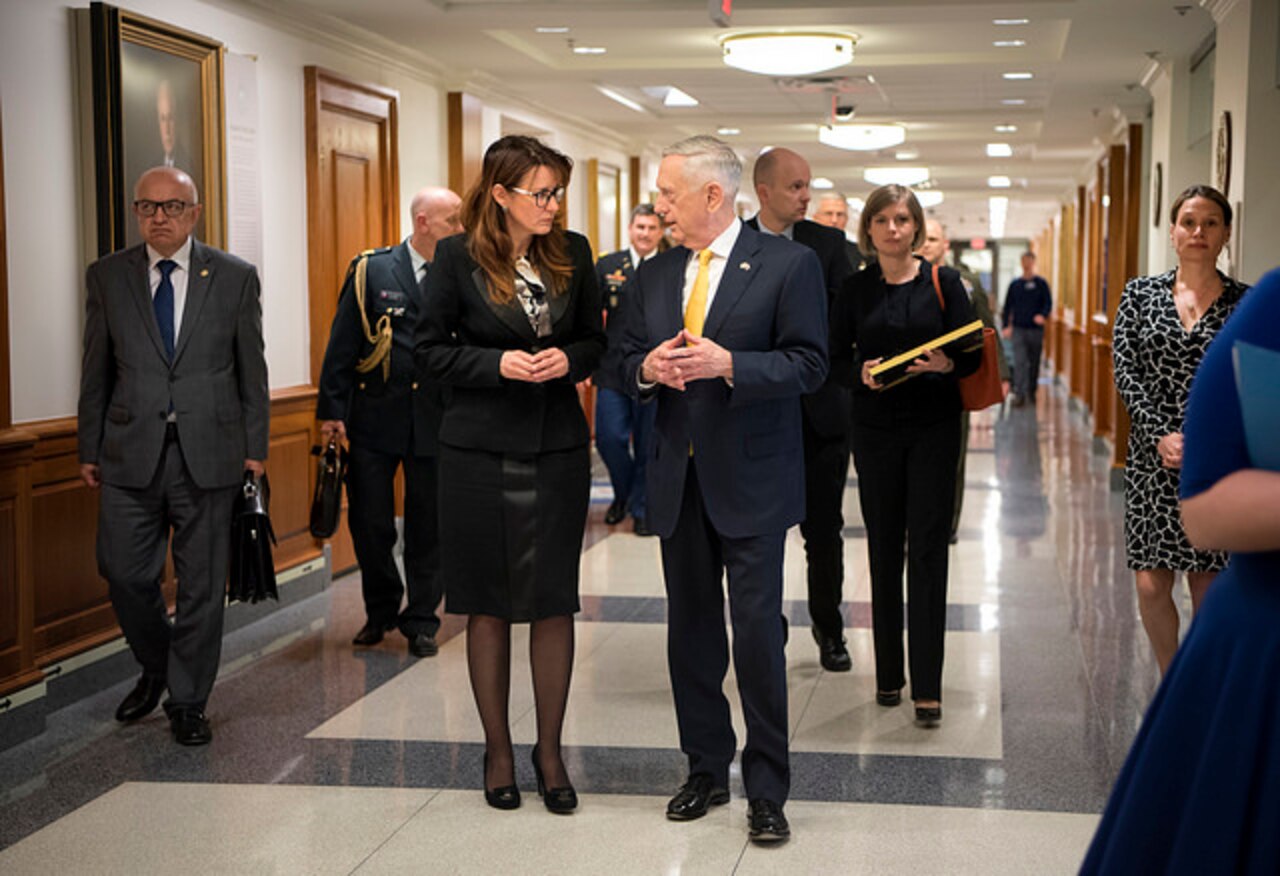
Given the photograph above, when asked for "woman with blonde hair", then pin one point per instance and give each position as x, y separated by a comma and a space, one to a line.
511, 323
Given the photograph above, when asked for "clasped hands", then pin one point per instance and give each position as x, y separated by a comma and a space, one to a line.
930, 360
1170, 449
537, 367
685, 357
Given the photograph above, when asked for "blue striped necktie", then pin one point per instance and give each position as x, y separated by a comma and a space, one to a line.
163, 304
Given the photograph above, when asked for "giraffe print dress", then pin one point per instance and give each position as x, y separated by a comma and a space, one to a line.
1155, 359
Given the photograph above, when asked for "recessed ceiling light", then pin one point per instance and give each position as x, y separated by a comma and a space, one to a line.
907, 154
552, 29
1005, 22
1013, 101
1008, 44
728, 132
895, 174
862, 138
622, 99
999, 182
788, 54
1020, 74
589, 50
821, 182
1006, 129
929, 198
999, 150
676, 97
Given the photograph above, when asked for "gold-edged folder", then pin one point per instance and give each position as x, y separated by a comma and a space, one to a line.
893, 371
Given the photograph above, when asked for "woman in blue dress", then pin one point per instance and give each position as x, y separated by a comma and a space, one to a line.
1200, 790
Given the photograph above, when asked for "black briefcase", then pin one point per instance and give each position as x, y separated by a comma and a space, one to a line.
253, 571
326, 504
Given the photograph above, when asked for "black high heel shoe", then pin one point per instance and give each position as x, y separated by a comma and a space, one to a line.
561, 801
506, 797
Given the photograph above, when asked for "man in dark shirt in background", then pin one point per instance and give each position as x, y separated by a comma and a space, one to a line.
1026, 307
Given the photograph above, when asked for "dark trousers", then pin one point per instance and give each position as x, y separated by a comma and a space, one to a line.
1027, 346
960, 459
826, 469
694, 561
133, 536
623, 426
372, 519
906, 481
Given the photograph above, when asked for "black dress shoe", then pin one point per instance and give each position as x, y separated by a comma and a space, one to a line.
928, 716
142, 700
506, 797
190, 727
695, 797
370, 634
561, 801
642, 528
423, 645
617, 510
832, 652
766, 823
889, 698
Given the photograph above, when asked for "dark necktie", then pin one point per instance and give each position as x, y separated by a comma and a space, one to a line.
163, 304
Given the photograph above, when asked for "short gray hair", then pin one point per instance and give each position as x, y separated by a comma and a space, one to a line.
831, 195
709, 158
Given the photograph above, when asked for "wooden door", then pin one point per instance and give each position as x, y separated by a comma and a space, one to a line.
353, 203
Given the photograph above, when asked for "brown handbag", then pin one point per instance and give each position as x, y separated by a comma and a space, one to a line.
983, 388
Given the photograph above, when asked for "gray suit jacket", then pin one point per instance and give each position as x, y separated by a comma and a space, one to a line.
216, 385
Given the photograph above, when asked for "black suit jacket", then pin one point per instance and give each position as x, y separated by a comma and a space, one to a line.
463, 334
399, 415
768, 312
828, 410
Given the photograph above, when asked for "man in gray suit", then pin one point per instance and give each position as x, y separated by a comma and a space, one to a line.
173, 410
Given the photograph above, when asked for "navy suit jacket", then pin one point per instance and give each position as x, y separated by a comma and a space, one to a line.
400, 415
829, 410
770, 312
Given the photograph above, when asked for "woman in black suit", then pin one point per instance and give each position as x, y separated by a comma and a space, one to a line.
511, 323
906, 438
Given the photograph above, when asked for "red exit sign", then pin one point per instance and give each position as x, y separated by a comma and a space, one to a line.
721, 11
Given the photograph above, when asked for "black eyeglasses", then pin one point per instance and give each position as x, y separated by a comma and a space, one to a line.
172, 209
542, 197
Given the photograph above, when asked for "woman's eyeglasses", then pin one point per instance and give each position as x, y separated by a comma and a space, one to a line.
542, 197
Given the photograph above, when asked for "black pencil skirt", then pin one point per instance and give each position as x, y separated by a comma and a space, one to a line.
511, 531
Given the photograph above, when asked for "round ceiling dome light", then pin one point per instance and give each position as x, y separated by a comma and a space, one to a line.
788, 54
862, 138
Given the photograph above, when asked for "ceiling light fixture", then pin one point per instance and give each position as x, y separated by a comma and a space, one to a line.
929, 198
1005, 22
788, 54
589, 50
895, 175
622, 99
552, 29
999, 150
999, 182
907, 154
861, 138
1008, 44
821, 182
728, 132
676, 97
1021, 74
1013, 101
1006, 129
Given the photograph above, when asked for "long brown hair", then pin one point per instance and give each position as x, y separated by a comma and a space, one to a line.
506, 162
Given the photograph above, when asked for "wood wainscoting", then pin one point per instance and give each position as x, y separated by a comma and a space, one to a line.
53, 604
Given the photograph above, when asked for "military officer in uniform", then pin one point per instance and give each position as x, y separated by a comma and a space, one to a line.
622, 423
370, 396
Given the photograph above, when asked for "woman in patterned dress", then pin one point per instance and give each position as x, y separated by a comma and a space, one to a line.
1163, 326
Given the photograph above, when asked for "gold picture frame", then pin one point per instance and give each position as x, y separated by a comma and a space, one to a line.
157, 99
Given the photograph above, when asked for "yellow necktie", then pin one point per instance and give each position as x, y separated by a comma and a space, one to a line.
695, 312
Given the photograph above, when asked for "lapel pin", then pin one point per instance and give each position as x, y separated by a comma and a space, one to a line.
745, 266
204, 272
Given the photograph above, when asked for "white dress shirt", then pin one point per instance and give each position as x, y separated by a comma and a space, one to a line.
419, 263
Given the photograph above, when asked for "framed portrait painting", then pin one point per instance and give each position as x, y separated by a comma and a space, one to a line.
157, 101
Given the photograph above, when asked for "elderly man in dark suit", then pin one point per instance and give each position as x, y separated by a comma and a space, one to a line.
376, 401
622, 423
727, 331
782, 184
832, 210
173, 410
